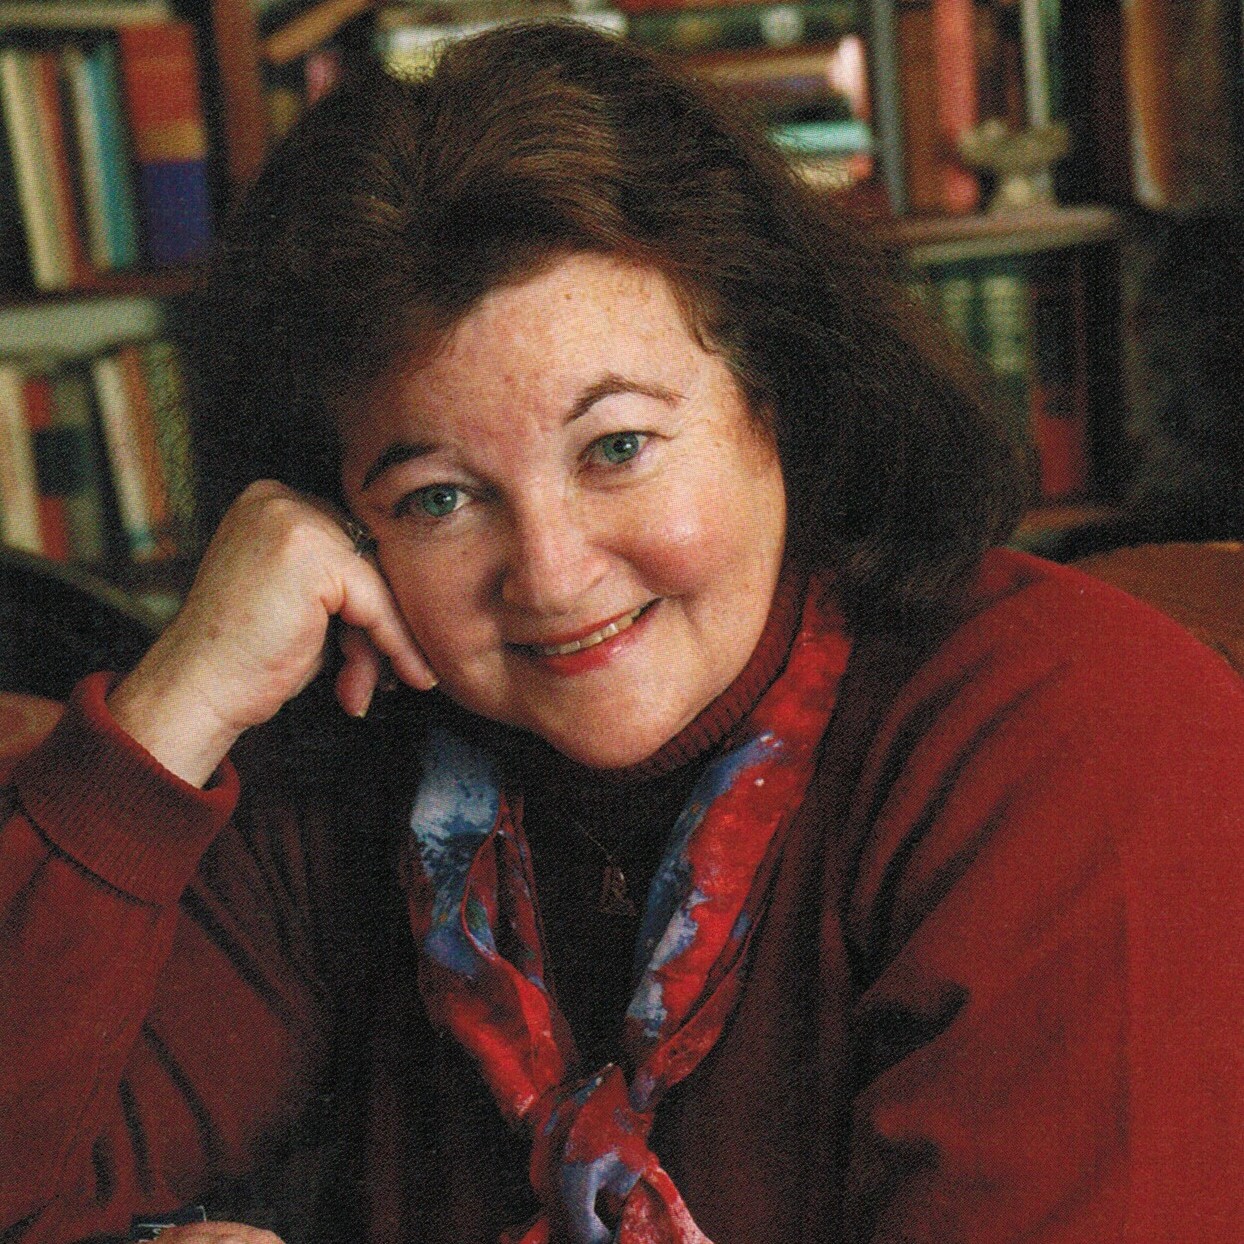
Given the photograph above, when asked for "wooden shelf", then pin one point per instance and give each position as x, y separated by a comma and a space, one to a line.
1068, 517
1065, 531
157, 284
950, 239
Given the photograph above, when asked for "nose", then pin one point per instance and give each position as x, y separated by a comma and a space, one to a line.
553, 559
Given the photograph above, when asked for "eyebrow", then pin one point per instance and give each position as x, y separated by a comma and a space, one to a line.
393, 455
607, 386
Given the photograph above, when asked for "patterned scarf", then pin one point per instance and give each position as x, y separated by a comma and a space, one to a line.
482, 961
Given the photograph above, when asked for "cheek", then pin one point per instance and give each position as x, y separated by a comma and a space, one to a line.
435, 596
731, 516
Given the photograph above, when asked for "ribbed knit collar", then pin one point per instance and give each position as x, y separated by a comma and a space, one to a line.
714, 723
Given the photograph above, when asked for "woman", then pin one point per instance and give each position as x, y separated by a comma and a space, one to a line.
780, 864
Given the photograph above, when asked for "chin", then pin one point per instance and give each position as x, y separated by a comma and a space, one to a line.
598, 750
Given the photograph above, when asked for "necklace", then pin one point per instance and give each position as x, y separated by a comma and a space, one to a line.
614, 898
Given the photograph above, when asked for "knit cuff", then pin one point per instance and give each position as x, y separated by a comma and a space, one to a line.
107, 803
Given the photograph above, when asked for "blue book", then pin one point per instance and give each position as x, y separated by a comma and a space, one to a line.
177, 215
103, 144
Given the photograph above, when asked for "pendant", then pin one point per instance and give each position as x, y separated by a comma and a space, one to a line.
615, 898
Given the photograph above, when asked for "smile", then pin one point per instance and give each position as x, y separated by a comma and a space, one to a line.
608, 631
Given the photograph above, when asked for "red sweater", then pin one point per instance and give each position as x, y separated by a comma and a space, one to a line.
996, 996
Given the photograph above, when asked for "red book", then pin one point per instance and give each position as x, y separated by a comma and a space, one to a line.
160, 86
53, 517
936, 45
954, 58
155, 479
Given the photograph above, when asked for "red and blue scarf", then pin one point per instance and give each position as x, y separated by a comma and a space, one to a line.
482, 960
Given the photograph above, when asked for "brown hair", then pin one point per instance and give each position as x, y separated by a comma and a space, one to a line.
395, 206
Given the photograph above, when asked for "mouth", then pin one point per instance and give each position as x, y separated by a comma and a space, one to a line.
614, 627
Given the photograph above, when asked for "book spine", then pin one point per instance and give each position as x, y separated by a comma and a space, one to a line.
14, 270
73, 415
748, 26
166, 388
50, 267
959, 308
887, 102
1152, 101
103, 147
19, 483
1006, 323
129, 360
63, 169
954, 57
917, 73
125, 456
49, 467
160, 88
87, 141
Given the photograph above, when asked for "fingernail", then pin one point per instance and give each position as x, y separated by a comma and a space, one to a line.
362, 712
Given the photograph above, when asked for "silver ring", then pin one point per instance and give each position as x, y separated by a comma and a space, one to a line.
362, 539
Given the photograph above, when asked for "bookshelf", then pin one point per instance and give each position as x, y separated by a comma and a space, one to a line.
107, 99
240, 56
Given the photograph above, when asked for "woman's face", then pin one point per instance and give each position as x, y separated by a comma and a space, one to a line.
575, 510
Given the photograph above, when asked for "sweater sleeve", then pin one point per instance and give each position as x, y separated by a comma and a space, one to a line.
1045, 924
151, 964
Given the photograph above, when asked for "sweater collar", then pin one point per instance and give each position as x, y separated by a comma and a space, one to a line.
703, 735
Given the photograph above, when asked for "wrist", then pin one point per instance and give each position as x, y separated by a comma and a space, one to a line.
162, 706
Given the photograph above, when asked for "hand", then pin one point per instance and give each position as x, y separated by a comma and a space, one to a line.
217, 1233
252, 632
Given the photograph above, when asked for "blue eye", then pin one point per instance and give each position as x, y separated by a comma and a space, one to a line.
620, 447
438, 500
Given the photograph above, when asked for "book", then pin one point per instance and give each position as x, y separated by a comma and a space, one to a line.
954, 54
1187, 117
408, 49
1006, 338
81, 458
164, 108
887, 112
14, 271
170, 409
50, 256
63, 167
49, 466
19, 483
935, 46
125, 455
917, 93
129, 361
745, 26
813, 100
101, 141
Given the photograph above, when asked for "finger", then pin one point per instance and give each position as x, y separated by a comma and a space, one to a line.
362, 668
218, 1233
369, 606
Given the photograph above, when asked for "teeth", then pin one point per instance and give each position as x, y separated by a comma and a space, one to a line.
588, 641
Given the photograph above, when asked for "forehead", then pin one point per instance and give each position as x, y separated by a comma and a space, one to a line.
542, 339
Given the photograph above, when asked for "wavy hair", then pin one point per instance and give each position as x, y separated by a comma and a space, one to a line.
394, 206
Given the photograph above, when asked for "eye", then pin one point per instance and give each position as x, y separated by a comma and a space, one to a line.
434, 501
618, 447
